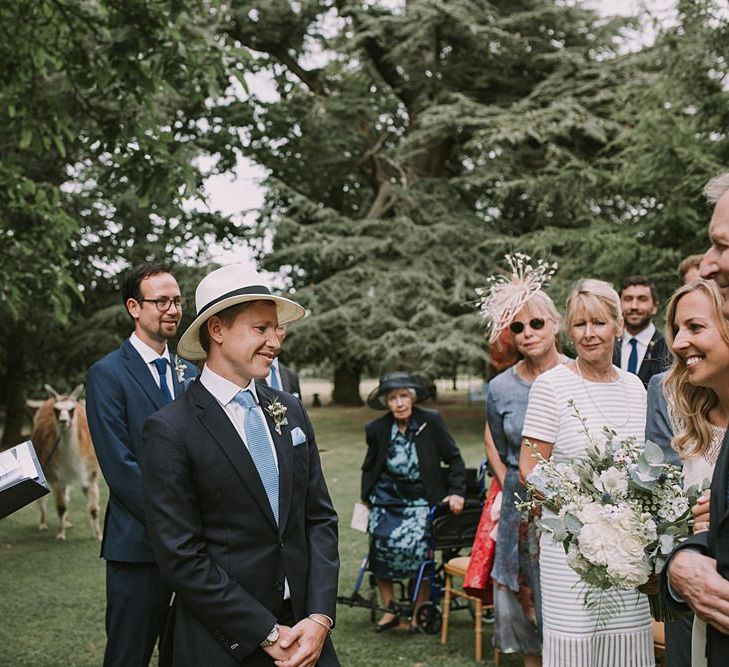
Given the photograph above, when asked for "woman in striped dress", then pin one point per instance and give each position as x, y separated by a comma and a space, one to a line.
604, 395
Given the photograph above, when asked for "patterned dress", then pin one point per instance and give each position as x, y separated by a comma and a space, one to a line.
399, 511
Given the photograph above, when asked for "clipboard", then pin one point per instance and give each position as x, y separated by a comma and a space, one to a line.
21, 478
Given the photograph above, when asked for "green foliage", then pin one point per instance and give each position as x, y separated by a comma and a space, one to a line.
389, 194
104, 109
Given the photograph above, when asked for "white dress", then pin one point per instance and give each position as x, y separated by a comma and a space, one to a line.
695, 470
573, 637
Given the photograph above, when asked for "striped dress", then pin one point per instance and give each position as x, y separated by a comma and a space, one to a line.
572, 635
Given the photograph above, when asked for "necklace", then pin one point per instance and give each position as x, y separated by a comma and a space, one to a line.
595, 404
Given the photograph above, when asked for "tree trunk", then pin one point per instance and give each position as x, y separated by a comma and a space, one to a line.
346, 386
14, 389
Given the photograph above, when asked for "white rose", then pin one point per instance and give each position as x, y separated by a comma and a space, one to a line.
597, 542
630, 571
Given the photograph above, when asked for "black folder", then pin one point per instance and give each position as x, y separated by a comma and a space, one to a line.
21, 492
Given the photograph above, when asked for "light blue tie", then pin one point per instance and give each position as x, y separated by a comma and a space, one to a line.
633, 358
259, 447
275, 382
161, 365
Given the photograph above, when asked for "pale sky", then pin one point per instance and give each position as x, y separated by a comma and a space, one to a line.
236, 194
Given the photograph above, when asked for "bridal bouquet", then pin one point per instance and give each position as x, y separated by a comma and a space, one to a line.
620, 511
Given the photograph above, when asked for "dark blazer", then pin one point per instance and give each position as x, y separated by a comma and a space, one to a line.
657, 357
715, 544
433, 444
215, 537
658, 427
120, 395
289, 380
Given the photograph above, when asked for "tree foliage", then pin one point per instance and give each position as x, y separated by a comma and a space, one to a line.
104, 110
386, 199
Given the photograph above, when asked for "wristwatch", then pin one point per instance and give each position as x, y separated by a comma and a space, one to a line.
272, 637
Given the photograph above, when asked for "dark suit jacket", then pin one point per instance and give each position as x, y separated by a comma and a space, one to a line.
214, 535
289, 380
657, 357
715, 544
433, 444
120, 395
658, 427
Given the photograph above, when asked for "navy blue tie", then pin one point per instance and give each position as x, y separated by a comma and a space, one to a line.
633, 358
161, 365
259, 447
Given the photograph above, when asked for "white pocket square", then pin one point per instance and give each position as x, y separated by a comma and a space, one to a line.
297, 437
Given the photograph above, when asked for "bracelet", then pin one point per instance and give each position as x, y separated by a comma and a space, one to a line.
323, 625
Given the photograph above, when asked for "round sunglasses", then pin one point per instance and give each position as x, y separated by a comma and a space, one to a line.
535, 323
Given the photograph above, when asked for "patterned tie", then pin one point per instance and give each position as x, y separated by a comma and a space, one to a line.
633, 358
259, 447
161, 365
275, 383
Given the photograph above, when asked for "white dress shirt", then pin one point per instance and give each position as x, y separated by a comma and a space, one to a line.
224, 391
149, 356
643, 338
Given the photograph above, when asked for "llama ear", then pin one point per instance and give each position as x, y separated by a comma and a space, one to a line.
51, 391
78, 390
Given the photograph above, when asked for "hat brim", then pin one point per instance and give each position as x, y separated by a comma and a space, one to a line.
189, 346
376, 398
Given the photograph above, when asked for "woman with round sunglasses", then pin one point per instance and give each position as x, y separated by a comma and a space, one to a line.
574, 633
534, 330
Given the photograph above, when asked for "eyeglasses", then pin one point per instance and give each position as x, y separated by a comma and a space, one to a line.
164, 302
535, 323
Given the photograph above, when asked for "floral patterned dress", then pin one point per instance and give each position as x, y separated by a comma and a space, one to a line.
399, 513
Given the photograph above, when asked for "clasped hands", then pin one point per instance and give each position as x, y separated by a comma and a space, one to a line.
299, 646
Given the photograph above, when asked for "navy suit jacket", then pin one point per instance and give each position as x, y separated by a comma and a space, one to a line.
214, 534
715, 544
657, 357
120, 394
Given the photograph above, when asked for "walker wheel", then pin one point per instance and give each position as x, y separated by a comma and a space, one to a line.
428, 618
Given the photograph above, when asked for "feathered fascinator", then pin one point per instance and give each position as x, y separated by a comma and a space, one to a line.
504, 295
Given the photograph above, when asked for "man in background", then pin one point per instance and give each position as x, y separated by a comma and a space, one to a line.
642, 349
281, 377
122, 390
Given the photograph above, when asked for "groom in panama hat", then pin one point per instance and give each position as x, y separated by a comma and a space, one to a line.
237, 508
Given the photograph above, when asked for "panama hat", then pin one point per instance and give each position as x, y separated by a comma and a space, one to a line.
225, 287
395, 380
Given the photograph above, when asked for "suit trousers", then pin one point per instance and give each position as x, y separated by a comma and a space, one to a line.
137, 604
678, 641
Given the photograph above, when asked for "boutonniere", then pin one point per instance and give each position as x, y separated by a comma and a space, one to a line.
180, 369
278, 414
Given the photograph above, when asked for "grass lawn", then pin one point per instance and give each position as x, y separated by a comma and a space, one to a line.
52, 594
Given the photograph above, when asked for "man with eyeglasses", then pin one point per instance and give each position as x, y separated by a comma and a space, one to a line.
122, 390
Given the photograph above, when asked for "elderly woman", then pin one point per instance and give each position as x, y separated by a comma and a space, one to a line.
515, 572
698, 391
605, 396
401, 478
